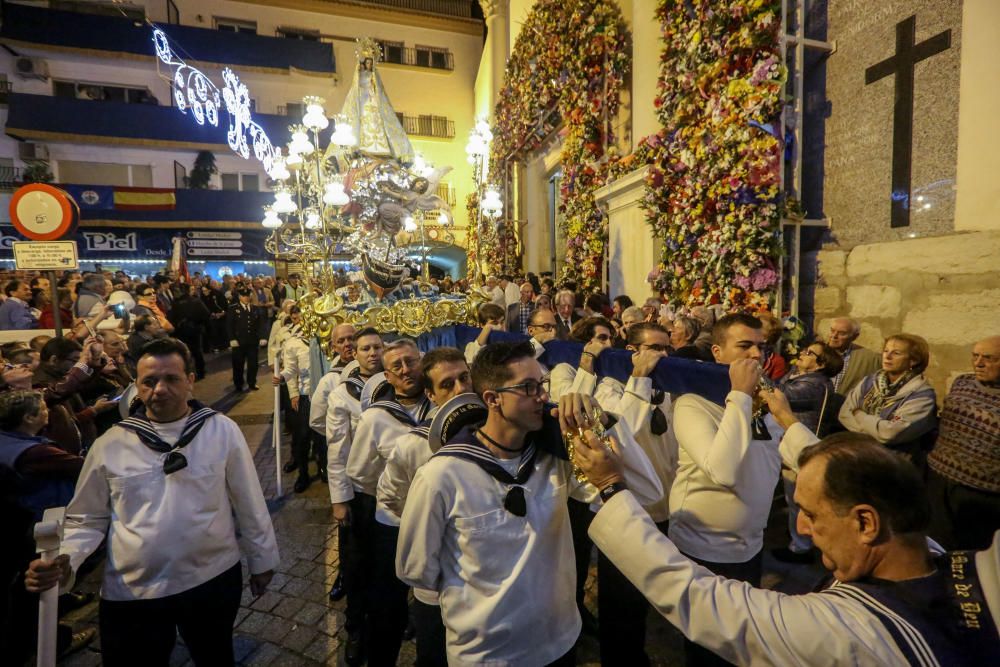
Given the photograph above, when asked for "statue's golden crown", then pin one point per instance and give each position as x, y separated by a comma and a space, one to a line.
368, 48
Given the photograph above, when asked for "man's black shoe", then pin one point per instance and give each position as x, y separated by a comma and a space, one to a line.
290, 466
786, 555
70, 601
322, 476
254, 387
410, 632
354, 652
337, 591
301, 484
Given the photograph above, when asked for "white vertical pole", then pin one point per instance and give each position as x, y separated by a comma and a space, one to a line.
48, 535
276, 430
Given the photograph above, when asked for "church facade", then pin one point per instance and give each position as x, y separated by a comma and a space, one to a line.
901, 160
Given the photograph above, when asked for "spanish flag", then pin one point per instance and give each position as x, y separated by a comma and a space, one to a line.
145, 199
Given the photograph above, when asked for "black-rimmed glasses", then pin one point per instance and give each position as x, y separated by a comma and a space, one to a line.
543, 327
530, 388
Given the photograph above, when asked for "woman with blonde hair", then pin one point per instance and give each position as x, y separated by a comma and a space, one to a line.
896, 405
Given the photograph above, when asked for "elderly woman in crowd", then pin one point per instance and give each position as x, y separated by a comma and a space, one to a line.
543, 301
895, 405
809, 386
683, 333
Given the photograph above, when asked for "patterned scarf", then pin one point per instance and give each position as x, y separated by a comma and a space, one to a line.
882, 391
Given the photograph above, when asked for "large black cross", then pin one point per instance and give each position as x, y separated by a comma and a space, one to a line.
908, 54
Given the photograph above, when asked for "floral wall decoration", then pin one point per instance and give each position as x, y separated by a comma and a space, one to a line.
567, 68
713, 185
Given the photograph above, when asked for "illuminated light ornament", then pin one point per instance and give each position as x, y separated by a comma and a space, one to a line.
279, 170
334, 194
300, 144
492, 205
315, 117
271, 219
443, 218
193, 91
476, 146
409, 224
313, 221
343, 134
283, 201
483, 128
293, 161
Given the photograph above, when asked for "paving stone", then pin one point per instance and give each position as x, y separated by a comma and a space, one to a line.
243, 646
288, 607
332, 622
275, 630
84, 658
277, 581
295, 586
254, 623
264, 655
324, 650
299, 638
267, 601
241, 615
317, 592
301, 568
310, 614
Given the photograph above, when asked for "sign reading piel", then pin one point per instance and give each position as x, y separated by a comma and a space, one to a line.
45, 255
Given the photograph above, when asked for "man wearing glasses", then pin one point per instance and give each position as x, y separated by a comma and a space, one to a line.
380, 427
542, 329
486, 526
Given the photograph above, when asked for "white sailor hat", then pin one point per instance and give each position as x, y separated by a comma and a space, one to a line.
376, 389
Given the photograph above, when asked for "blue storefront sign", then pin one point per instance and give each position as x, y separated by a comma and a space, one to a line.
108, 244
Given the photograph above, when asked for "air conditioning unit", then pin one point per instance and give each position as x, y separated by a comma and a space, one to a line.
28, 151
32, 68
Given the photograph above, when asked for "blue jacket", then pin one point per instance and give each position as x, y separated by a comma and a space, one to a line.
15, 314
806, 394
34, 493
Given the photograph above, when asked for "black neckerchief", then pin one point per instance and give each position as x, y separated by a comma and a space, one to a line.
657, 420
141, 425
354, 384
467, 446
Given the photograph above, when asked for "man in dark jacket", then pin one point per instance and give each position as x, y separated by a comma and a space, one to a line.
244, 323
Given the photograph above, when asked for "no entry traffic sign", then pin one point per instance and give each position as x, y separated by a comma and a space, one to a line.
42, 212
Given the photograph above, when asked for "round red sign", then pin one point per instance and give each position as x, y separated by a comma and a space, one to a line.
42, 212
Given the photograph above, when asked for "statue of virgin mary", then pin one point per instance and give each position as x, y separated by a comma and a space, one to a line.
368, 110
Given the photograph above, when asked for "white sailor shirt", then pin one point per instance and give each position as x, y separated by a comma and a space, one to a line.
376, 435
342, 416
169, 533
321, 399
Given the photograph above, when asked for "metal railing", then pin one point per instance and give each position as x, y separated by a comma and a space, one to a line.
428, 126
459, 8
11, 177
447, 193
417, 57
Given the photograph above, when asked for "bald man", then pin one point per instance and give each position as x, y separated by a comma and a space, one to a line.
964, 475
859, 362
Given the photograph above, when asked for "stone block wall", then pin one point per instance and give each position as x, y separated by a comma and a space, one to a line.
944, 288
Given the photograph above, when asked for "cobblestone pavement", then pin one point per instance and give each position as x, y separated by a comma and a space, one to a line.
294, 623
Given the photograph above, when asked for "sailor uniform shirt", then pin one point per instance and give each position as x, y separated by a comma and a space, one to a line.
456, 538
721, 497
169, 533
377, 433
295, 366
321, 399
342, 416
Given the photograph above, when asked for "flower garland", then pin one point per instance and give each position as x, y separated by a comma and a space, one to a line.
568, 66
714, 184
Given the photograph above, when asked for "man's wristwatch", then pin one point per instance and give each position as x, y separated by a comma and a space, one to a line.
611, 489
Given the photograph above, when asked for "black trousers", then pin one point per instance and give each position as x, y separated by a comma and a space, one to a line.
430, 635
245, 357
356, 561
751, 572
622, 610
962, 518
193, 340
388, 612
307, 444
580, 517
144, 631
